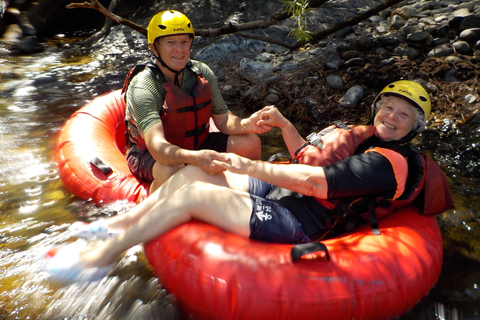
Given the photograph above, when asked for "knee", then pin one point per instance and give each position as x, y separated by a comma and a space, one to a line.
247, 145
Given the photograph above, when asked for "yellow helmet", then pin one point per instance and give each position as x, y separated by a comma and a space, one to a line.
410, 91
169, 22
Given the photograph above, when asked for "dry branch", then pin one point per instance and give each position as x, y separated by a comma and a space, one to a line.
240, 28
94, 4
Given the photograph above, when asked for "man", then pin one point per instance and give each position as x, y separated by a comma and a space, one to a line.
169, 107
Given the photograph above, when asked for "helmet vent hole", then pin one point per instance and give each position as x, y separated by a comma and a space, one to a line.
163, 27
423, 98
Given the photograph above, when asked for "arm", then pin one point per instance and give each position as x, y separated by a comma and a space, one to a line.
169, 154
270, 116
229, 123
304, 179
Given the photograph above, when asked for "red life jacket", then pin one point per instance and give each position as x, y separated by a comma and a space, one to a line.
185, 117
426, 183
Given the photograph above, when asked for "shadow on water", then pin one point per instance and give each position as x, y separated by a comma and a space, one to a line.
40, 92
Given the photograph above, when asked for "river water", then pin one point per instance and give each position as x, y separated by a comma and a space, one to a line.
38, 93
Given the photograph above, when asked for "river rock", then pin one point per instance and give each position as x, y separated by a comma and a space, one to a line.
254, 71
406, 51
470, 35
332, 58
397, 22
335, 82
462, 47
469, 22
441, 51
273, 98
352, 97
450, 75
419, 37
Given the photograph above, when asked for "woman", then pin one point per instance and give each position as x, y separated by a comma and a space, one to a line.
289, 203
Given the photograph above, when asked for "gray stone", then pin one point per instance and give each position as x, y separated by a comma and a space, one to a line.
462, 47
335, 82
406, 51
308, 102
442, 50
391, 39
450, 75
365, 43
397, 22
332, 58
421, 36
442, 32
470, 35
469, 22
254, 71
352, 97
273, 98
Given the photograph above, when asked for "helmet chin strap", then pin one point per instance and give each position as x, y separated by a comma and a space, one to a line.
175, 72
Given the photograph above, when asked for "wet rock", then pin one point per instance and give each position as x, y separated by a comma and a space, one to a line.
388, 62
397, 22
419, 37
442, 32
404, 12
451, 75
308, 102
441, 51
355, 62
469, 22
273, 98
254, 71
470, 35
439, 41
462, 47
335, 82
332, 58
352, 97
391, 39
365, 43
317, 115
406, 51
476, 46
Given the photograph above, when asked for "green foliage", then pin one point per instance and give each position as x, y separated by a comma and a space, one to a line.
299, 10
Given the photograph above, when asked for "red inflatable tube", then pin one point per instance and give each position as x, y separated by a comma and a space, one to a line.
94, 135
217, 275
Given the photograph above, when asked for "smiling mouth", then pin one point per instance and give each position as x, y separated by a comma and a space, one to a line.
389, 126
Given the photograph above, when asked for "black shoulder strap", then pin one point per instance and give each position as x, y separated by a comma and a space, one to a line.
131, 74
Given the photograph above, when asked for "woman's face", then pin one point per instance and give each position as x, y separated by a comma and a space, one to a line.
175, 50
395, 118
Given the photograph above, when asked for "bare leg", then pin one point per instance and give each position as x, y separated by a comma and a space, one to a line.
183, 177
245, 145
161, 173
220, 206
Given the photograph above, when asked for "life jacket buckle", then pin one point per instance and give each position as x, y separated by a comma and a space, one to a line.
315, 139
